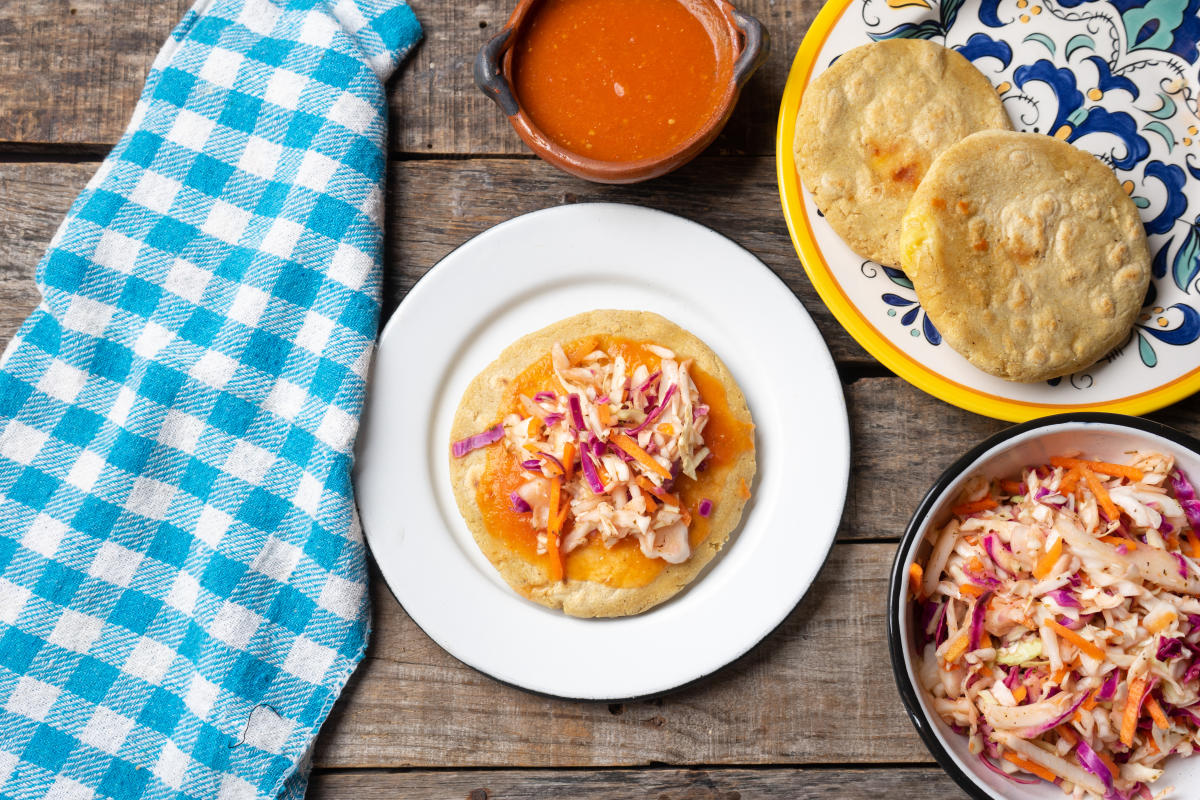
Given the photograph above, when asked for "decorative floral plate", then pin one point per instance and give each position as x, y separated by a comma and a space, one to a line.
1117, 78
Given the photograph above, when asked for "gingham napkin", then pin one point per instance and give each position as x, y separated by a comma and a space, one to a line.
182, 590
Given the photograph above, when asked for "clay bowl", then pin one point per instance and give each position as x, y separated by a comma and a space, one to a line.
741, 45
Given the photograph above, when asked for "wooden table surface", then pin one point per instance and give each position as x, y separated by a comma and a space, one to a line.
810, 712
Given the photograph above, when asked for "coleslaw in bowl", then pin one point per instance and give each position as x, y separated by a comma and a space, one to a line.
1044, 618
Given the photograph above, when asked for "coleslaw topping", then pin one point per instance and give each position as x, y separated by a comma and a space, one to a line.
603, 449
1058, 626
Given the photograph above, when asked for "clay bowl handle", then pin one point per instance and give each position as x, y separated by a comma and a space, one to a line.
489, 76
757, 44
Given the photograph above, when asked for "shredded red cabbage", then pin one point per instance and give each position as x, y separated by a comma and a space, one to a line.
939, 635
976, 632
532, 463
653, 377
576, 411
558, 463
658, 410
518, 503
705, 507
1169, 648
699, 411
490, 436
545, 397
1183, 572
1064, 598
1185, 493
1109, 689
553, 419
989, 544
590, 474
1092, 763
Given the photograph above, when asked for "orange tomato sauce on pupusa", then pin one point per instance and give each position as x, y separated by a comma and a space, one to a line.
624, 565
618, 80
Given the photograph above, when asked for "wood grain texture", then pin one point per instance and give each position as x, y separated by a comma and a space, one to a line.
625, 784
73, 69
471, 195
816, 688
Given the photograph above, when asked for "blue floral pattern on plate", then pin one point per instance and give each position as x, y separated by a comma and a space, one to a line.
1114, 77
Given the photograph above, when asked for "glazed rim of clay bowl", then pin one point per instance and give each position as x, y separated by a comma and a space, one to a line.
742, 45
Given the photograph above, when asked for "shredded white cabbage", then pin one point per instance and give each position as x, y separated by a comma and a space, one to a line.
1043, 605
617, 495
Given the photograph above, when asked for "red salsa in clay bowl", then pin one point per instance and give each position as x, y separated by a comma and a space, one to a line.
619, 91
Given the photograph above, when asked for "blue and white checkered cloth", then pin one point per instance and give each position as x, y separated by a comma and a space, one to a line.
182, 586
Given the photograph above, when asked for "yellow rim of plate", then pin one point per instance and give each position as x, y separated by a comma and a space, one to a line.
856, 323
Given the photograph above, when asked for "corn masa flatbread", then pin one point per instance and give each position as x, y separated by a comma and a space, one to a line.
1026, 253
484, 403
869, 127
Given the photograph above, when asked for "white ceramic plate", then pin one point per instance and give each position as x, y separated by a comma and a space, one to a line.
517, 278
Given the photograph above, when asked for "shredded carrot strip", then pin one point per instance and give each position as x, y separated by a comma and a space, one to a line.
1161, 623
1020, 693
532, 427
982, 504
631, 447
1108, 762
1117, 541
1074, 638
568, 460
553, 526
743, 489
549, 464
1047, 560
1129, 718
1103, 467
555, 494
1153, 745
666, 429
1012, 487
957, 649
975, 564
915, 575
1065, 732
1090, 702
604, 413
1156, 713
970, 590
1110, 508
1067, 484
985, 640
1059, 674
1029, 766
1193, 548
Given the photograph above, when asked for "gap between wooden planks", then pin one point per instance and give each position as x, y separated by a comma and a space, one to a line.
659, 784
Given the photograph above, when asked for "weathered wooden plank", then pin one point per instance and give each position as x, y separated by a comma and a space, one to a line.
736, 197
436, 205
659, 784
819, 685
72, 71
436, 108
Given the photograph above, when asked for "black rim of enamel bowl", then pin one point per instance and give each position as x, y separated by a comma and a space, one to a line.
897, 605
